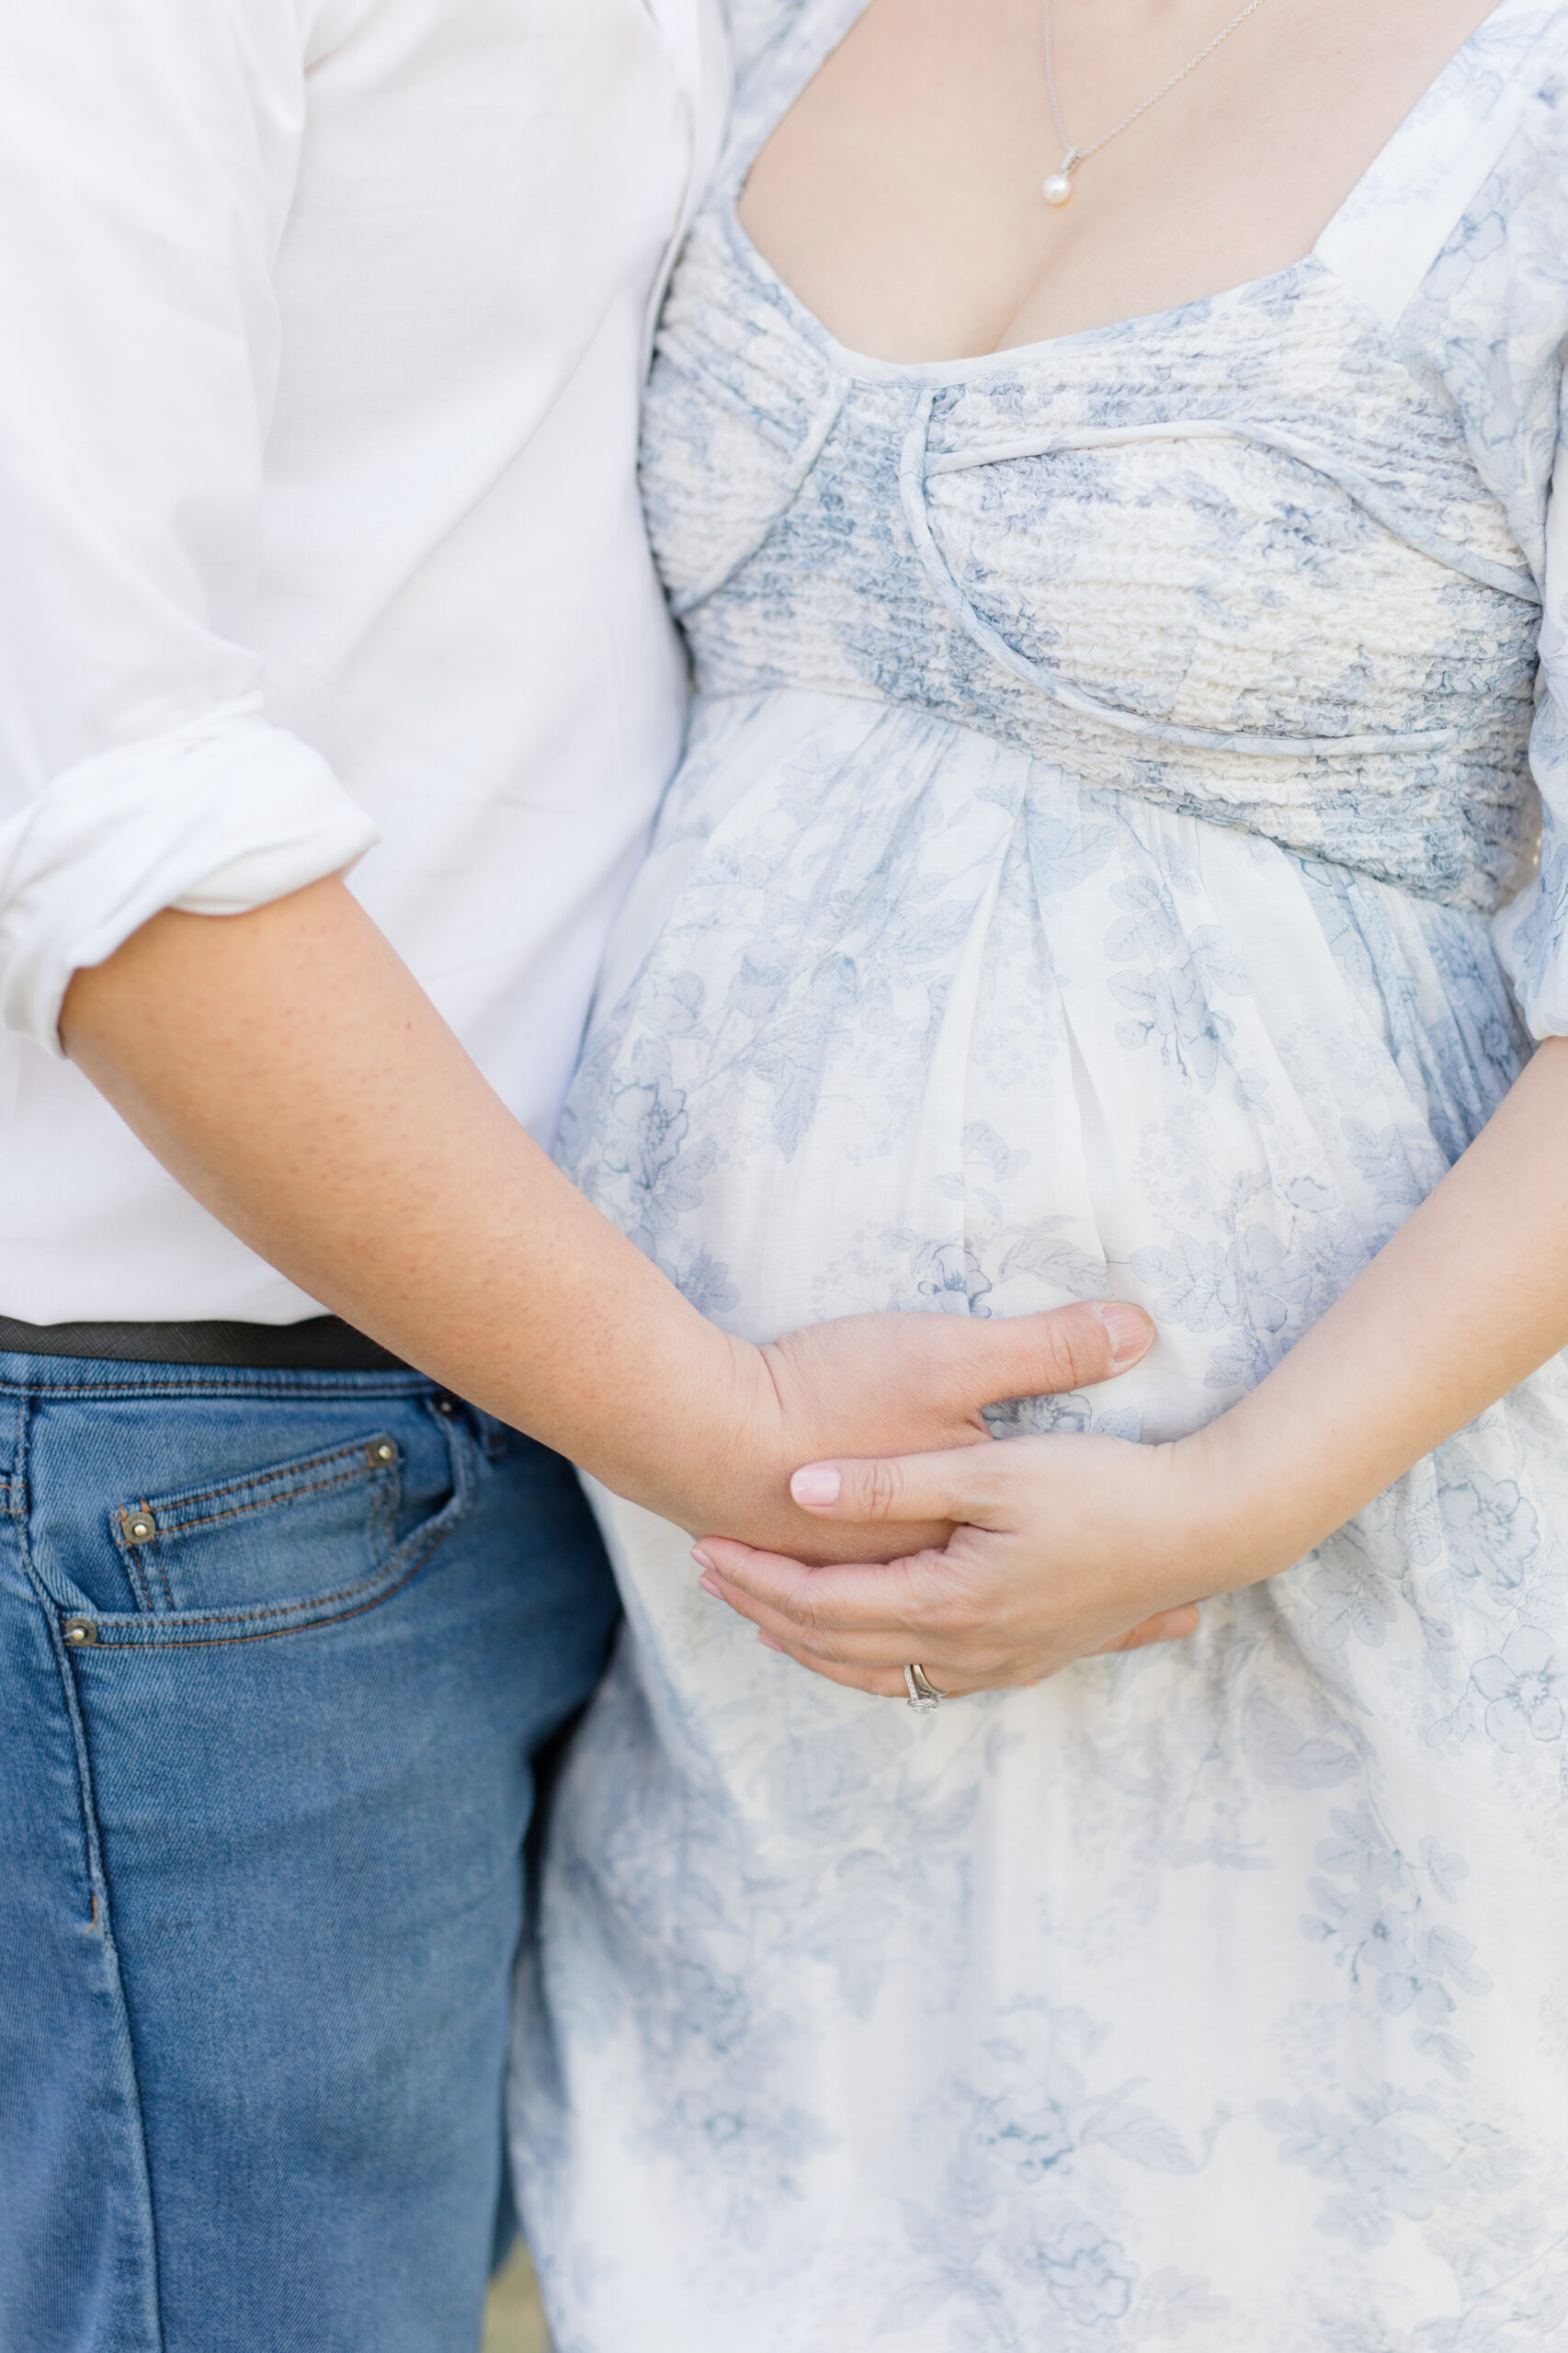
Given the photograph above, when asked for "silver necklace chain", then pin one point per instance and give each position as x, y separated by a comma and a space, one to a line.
1059, 187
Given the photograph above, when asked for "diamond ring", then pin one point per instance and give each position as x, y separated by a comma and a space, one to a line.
922, 1696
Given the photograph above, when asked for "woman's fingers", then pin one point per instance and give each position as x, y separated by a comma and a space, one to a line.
881, 1684
857, 1597
887, 1682
781, 1632
880, 1647
785, 1602
966, 1484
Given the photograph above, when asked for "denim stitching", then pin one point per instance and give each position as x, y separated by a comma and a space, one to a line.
267, 1610
96, 1879
135, 1568
434, 1534
143, 1559
156, 1557
383, 1484
16, 1485
359, 1446
285, 1495
288, 1386
288, 1496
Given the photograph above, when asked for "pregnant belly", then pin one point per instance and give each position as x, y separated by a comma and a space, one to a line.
897, 1018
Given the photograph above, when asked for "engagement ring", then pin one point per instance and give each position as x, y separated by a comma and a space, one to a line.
922, 1696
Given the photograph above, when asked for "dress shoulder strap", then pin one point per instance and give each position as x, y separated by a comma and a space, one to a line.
1390, 230
780, 46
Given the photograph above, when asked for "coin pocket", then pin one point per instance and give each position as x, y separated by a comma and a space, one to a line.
295, 1531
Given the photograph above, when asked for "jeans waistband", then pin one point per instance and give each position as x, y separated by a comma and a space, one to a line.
319, 1344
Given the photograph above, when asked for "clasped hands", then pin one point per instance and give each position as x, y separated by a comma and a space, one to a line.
993, 1563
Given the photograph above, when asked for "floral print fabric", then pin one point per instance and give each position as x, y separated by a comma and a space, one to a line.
1108, 762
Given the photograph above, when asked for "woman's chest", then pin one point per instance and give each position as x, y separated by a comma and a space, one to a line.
1245, 529
899, 195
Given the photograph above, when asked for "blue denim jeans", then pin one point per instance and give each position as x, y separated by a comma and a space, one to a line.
277, 1651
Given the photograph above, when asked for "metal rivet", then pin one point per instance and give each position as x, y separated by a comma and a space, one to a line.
79, 1631
140, 1527
385, 1452
448, 1406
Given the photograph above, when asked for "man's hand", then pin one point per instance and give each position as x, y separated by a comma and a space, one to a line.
882, 1382
1068, 1546
290, 1072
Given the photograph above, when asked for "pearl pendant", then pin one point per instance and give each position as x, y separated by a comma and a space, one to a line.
1058, 189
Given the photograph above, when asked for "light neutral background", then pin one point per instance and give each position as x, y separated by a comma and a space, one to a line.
513, 2321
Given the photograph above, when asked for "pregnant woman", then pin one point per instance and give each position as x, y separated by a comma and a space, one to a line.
1116, 641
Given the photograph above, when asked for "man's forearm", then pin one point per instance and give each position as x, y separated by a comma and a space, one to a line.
288, 1069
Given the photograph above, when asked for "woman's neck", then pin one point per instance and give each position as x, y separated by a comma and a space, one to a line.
901, 197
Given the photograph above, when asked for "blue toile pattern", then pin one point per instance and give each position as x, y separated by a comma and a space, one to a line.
1105, 860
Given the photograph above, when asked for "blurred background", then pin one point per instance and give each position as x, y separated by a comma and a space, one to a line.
513, 2320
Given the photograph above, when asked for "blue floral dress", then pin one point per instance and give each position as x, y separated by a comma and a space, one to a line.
1108, 762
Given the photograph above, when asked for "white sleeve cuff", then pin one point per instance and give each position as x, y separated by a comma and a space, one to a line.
216, 817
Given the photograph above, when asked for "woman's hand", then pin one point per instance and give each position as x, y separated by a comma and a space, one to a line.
1073, 1540
1068, 1546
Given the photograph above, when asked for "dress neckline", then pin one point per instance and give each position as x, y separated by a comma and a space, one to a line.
806, 49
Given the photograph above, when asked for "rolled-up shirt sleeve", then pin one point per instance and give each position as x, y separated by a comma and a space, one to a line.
148, 152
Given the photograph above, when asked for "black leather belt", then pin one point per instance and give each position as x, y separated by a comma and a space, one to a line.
322, 1344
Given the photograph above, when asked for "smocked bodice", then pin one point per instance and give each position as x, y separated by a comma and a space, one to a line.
1236, 558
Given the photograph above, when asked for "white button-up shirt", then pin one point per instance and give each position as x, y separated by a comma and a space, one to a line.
321, 329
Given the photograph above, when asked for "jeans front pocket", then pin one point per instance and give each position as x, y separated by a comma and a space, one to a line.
256, 1535
318, 1535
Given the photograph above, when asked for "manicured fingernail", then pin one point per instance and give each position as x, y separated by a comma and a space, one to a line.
709, 1584
704, 1559
1129, 1330
769, 1644
818, 1484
